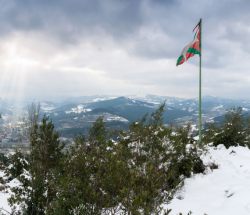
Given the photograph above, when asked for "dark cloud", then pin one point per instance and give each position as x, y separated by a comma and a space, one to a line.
154, 28
70, 20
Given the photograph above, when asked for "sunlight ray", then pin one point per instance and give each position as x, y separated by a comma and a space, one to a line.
15, 68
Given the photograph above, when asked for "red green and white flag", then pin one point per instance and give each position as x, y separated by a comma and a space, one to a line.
192, 48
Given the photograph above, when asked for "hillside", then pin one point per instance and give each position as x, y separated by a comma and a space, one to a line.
221, 191
75, 115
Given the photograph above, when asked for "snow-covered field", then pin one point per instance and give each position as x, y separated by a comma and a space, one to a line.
222, 191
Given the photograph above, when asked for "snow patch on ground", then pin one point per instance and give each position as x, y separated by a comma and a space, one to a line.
4, 195
78, 109
116, 118
219, 107
104, 98
222, 191
46, 107
4, 206
245, 109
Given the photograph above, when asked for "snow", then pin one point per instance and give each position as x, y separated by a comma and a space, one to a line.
78, 109
104, 98
4, 202
116, 118
217, 108
4, 195
46, 107
222, 191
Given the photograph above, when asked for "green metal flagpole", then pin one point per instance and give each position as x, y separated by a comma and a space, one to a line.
200, 116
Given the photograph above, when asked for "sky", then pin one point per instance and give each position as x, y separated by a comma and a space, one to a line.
51, 49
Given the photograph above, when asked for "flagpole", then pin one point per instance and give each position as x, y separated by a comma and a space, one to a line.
200, 116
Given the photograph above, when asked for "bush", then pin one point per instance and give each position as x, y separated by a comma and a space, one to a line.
233, 132
135, 174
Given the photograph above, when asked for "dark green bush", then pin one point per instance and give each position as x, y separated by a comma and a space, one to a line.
4, 161
234, 130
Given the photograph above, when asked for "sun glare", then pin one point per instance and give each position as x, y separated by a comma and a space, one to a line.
16, 65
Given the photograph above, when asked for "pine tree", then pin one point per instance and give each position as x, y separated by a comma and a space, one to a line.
84, 186
41, 167
46, 155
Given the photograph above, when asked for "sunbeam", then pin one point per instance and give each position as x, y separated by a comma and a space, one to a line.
16, 66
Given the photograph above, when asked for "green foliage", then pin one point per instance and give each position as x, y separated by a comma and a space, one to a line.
233, 132
37, 172
18, 164
135, 174
93, 174
18, 169
4, 161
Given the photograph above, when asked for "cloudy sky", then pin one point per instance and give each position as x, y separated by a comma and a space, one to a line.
60, 48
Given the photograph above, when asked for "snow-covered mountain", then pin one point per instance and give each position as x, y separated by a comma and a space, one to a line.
75, 115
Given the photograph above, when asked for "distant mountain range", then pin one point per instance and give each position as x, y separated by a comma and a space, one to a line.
75, 115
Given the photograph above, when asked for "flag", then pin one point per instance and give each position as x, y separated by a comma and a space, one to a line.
192, 48
189, 51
